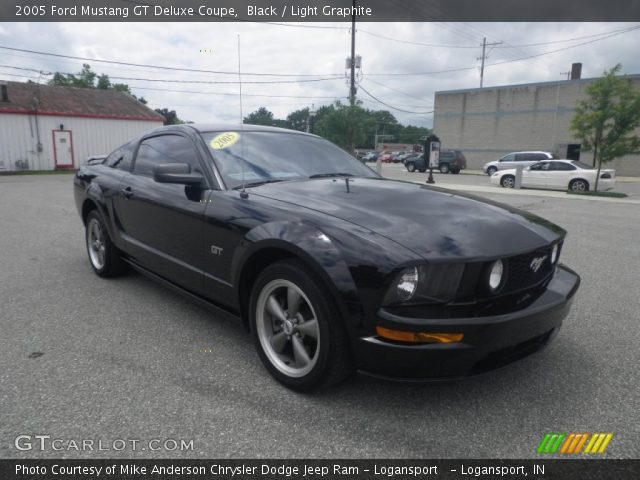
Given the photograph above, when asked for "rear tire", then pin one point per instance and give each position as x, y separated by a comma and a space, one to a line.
579, 185
444, 168
455, 171
103, 255
297, 328
411, 167
508, 181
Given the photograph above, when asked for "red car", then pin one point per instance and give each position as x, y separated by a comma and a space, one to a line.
385, 157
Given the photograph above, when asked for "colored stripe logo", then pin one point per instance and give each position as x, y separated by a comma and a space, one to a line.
574, 443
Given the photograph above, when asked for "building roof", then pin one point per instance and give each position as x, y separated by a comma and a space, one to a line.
633, 76
74, 102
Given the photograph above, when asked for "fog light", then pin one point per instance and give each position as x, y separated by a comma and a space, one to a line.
495, 275
419, 337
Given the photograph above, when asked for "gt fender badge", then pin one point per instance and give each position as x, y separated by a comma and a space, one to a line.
216, 250
536, 263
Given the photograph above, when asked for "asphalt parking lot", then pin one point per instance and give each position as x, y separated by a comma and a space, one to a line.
87, 358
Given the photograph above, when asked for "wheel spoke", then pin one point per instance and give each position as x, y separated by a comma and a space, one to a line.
294, 299
96, 231
310, 328
279, 341
299, 352
274, 308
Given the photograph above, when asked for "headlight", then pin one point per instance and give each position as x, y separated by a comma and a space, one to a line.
425, 284
407, 283
496, 275
554, 254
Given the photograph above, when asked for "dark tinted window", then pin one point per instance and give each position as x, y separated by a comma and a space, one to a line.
540, 166
446, 154
561, 166
164, 149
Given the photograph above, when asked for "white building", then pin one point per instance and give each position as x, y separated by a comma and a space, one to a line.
47, 128
487, 123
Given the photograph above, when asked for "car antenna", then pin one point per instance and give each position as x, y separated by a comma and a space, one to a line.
243, 193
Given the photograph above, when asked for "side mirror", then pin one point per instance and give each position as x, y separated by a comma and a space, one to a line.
176, 173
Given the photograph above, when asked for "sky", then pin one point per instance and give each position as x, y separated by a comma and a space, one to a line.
403, 64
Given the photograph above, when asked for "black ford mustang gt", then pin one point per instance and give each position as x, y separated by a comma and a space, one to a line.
331, 267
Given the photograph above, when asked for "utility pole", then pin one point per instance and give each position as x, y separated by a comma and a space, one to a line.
352, 90
485, 56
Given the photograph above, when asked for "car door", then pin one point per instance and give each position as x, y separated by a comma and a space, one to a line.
506, 162
535, 176
162, 223
559, 174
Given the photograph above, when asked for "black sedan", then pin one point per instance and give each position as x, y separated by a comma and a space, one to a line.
321, 258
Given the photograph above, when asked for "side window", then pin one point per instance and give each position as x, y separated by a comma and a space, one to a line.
561, 166
536, 167
529, 157
539, 156
165, 149
508, 158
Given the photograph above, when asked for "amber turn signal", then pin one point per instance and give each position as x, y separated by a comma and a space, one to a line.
419, 337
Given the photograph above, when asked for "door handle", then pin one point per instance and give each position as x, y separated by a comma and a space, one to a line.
127, 192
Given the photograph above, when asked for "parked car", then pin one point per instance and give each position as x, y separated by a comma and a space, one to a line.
558, 175
450, 161
396, 156
371, 157
516, 158
385, 157
331, 267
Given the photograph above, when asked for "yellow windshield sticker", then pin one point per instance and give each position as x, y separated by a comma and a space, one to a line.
224, 140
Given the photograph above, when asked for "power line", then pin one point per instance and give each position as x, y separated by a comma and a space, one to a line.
207, 82
460, 69
160, 67
391, 106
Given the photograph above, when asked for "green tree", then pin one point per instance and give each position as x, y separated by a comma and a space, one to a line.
262, 116
342, 120
297, 120
86, 78
606, 120
170, 116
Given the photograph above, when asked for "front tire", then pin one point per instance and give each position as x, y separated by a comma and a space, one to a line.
444, 168
411, 167
508, 181
491, 170
297, 328
579, 185
103, 255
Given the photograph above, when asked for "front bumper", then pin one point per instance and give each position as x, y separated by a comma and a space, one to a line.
489, 342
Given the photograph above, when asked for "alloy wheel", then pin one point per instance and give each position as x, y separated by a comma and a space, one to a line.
287, 328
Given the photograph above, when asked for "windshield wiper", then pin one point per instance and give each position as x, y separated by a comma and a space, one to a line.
258, 183
335, 174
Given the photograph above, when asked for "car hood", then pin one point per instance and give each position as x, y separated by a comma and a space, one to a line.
433, 222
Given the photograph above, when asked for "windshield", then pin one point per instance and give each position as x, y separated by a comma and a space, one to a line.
251, 157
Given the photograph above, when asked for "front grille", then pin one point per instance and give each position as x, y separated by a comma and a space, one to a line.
528, 269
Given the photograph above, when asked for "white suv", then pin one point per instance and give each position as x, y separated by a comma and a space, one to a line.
514, 159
